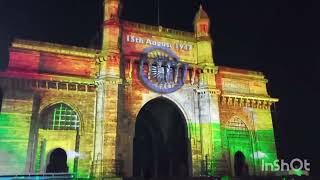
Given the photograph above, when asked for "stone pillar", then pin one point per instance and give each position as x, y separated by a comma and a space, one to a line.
33, 135
209, 120
195, 138
105, 163
205, 131
218, 163
97, 170
111, 163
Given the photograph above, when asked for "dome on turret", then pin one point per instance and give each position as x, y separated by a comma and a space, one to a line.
201, 23
201, 14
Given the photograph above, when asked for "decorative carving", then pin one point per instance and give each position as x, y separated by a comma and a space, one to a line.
164, 72
99, 58
102, 58
247, 101
26, 84
100, 84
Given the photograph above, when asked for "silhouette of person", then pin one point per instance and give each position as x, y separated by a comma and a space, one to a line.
57, 162
240, 165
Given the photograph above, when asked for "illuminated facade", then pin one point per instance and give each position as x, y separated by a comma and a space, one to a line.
97, 105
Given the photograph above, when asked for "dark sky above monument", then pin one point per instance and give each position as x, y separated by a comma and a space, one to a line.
278, 37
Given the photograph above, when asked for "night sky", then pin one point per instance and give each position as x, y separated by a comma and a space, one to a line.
278, 37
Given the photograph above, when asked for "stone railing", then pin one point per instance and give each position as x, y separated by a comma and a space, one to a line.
159, 29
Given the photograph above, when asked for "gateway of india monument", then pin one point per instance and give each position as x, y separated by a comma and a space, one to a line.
150, 100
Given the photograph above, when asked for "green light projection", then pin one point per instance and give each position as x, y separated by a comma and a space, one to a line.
14, 142
59, 129
206, 150
223, 142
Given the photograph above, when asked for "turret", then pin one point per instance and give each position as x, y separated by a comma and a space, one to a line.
110, 44
111, 25
201, 23
204, 41
111, 9
204, 46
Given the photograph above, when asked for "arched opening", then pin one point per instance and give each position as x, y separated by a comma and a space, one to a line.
238, 143
161, 147
59, 117
59, 131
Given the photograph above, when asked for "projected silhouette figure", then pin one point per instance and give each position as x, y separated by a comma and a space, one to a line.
240, 165
58, 162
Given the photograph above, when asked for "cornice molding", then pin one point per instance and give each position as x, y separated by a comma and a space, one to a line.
54, 48
36, 84
260, 102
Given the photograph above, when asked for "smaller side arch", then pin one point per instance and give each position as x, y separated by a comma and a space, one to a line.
44, 107
59, 116
243, 117
237, 137
47, 104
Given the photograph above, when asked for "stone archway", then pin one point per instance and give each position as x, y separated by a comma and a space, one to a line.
238, 143
161, 146
58, 126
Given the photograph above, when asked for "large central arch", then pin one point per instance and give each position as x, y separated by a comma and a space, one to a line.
161, 146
